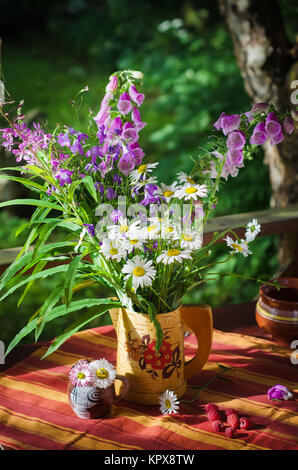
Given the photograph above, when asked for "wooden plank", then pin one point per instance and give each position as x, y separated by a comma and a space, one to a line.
273, 221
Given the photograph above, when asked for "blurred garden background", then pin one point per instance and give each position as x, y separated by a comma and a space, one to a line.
51, 50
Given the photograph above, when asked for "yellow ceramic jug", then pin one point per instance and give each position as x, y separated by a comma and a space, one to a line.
150, 373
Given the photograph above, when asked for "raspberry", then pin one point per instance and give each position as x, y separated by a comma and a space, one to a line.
218, 426
229, 411
213, 415
233, 420
210, 406
246, 423
230, 432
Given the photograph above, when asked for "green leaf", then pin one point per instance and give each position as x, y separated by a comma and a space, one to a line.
55, 313
40, 275
31, 202
39, 266
70, 278
91, 314
88, 182
46, 308
44, 234
25, 181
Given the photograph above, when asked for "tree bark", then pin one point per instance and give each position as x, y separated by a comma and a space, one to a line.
268, 64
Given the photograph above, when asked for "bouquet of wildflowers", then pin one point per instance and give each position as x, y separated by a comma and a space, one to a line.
123, 228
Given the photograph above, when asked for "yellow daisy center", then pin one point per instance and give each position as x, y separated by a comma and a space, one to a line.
133, 242
138, 271
113, 251
81, 375
191, 190
167, 404
123, 228
236, 247
169, 229
189, 180
102, 373
187, 237
173, 252
151, 228
142, 169
168, 193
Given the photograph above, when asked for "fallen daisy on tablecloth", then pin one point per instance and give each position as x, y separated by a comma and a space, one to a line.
168, 403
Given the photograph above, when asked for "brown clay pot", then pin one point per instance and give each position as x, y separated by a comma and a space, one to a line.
277, 310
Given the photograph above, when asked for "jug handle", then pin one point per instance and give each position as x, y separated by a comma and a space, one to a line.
125, 388
199, 319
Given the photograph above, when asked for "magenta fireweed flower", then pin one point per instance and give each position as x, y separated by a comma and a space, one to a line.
63, 140
64, 176
236, 140
288, 125
113, 83
259, 135
136, 117
124, 104
137, 97
279, 392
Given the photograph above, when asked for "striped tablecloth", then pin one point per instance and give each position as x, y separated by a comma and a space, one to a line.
34, 410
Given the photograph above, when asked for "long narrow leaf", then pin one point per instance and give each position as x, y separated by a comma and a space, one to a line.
55, 313
39, 267
50, 302
25, 181
70, 278
91, 314
31, 202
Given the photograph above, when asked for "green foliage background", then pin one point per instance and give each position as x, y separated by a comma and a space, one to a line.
51, 50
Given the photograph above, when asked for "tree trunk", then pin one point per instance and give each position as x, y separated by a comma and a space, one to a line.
268, 66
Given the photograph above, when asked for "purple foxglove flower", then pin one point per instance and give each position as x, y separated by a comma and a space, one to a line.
64, 176
101, 134
90, 229
113, 83
288, 125
259, 108
136, 117
130, 133
279, 392
236, 140
138, 152
126, 163
249, 116
111, 194
137, 97
217, 124
115, 215
116, 126
104, 110
259, 136
234, 157
230, 123
124, 105
272, 126
63, 140
277, 138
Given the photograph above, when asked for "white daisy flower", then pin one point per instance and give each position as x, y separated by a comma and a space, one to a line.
142, 171
123, 228
169, 403
141, 270
191, 239
252, 230
131, 243
103, 373
152, 231
238, 246
168, 191
141, 183
184, 178
112, 249
173, 254
189, 191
